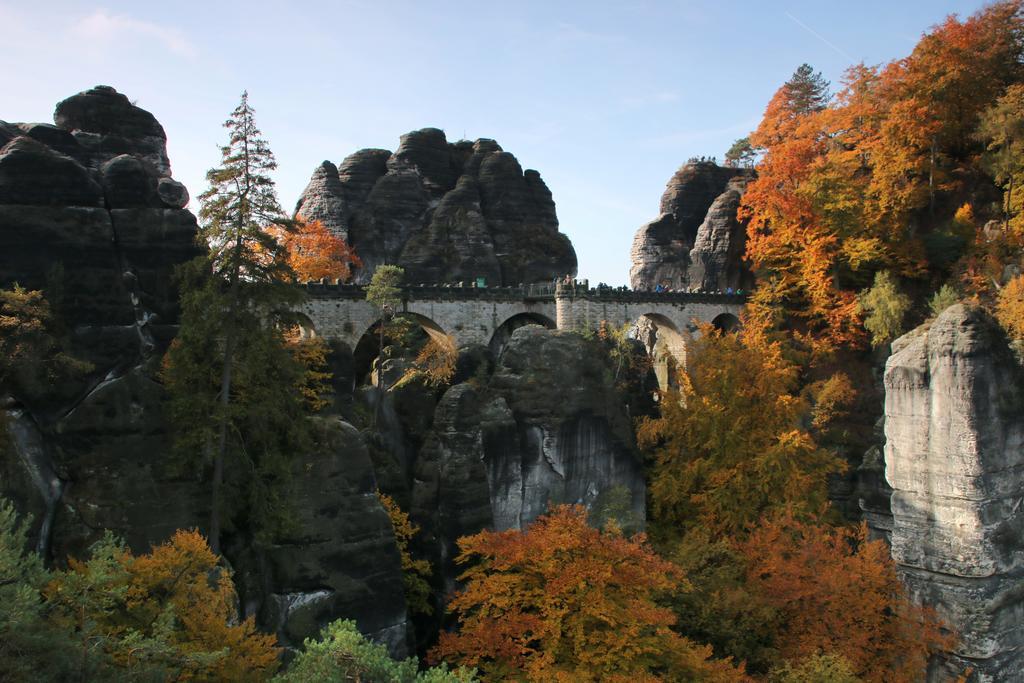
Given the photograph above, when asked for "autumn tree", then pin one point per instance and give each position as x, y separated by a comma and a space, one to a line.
1002, 130
1010, 307
311, 354
945, 297
32, 357
886, 307
232, 382
868, 182
414, 572
562, 601
837, 592
171, 612
729, 447
314, 252
741, 154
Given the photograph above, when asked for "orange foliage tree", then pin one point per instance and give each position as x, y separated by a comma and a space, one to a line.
1010, 307
171, 610
857, 186
838, 592
563, 601
729, 447
314, 252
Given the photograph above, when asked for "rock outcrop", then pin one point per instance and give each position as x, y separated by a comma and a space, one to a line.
504, 449
342, 560
90, 214
697, 241
446, 212
954, 426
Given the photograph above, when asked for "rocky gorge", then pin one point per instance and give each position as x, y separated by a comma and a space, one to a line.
90, 214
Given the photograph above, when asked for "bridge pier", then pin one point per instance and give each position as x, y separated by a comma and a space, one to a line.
564, 318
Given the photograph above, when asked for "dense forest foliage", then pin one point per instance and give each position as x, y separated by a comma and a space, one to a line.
873, 209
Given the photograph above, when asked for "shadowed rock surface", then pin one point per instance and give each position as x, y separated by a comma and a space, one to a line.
90, 214
445, 212
341, 559
954, 426
697, 240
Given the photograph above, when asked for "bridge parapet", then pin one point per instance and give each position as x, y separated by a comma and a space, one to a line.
535, 292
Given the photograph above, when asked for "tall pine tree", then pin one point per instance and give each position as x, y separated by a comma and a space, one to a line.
233, 383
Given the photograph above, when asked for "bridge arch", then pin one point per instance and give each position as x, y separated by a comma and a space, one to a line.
367, 346
499, 340
665, 342
726, 322
305, 326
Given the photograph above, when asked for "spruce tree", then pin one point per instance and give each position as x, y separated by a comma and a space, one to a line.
233, 384
807, 90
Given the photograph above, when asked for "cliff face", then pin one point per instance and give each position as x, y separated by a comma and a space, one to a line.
548, 427
954, 424
445, 212
90, 214
697, 240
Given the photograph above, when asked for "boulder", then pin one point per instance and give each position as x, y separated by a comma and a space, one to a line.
954, 454
33, 174
107, 124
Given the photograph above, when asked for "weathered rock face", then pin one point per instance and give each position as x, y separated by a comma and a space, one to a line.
444, 211
697, 240
954, 425
502, 452
342, 560
90, 214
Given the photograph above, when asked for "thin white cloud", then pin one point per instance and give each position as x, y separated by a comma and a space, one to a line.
573, 33
820, 37
103, 29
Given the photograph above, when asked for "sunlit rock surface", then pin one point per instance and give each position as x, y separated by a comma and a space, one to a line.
697, 241
954, 426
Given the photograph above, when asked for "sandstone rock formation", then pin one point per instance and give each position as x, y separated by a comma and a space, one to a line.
954, 424
90, 214
446, 212
697, 240
501, 452
342, 560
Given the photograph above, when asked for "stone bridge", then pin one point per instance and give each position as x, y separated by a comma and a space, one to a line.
461, 316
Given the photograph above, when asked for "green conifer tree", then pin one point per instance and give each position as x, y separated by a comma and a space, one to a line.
233, 384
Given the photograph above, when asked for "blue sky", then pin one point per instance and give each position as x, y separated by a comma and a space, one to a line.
605, 99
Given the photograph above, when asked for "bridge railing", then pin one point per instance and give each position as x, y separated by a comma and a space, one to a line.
542, 291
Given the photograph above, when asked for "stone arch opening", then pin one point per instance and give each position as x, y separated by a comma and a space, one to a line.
726, 322
499, 340
405, 336
304, 325
666, 344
